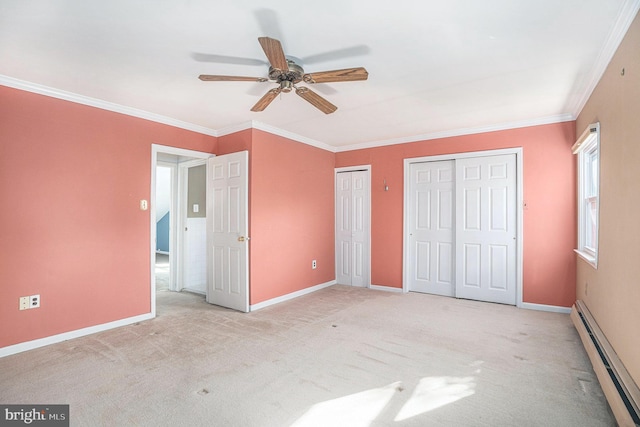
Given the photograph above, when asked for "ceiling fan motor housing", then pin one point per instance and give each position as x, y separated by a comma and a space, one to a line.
293, 75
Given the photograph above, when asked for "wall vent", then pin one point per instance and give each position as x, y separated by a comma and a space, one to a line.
621, 391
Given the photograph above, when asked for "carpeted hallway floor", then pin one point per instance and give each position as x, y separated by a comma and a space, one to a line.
340, 356
162, 272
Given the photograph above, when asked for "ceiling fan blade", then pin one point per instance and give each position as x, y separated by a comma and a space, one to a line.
273, 49
213, 78
266, 100
346, 75
316, 100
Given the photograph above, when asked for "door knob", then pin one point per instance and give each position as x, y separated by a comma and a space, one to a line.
242, 239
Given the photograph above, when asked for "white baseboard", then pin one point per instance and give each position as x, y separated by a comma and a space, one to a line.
30, 345
292, 295
543, 307
385, 288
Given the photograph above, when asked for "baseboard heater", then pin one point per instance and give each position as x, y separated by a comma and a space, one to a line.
621, 391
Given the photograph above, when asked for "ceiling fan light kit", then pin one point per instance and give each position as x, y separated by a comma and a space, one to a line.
287, 73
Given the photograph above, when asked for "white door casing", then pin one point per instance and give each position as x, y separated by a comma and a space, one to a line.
486, 229
430, 227
353, 228
227, 226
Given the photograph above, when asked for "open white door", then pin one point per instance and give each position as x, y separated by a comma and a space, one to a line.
227, 228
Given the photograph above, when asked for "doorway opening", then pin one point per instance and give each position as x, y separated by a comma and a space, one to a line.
172, 248
164, 214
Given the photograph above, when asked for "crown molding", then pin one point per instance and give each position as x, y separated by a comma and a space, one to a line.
134, 112
626, 15
234, 128
274, 131
109, 106
460, 132
103, 105
293, 136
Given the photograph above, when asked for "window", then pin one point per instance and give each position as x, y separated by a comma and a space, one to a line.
587, 148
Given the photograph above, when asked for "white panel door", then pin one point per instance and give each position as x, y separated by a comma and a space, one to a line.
430, 228
486, 228
228, 223
343, 228
352, 228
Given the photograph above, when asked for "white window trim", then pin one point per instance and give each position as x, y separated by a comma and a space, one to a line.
588, 141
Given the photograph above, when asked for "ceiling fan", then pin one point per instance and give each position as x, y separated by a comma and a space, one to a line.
287, 74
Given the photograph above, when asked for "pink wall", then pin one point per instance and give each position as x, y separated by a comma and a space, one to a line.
292, 216
549, 193
71, 178
232, 143
291, 212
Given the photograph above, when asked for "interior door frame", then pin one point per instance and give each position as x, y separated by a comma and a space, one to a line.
173, 248
367, 169
519, 208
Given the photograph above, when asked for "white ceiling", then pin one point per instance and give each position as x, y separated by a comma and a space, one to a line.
435, 67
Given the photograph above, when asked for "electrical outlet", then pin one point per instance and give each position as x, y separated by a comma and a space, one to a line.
24, 303
34, 301
313, 264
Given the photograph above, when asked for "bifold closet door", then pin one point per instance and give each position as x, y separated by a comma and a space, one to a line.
462, 228
430, 227
352, 228
486, 228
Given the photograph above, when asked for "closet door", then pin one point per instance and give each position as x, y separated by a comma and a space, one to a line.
352, 228
430, 227
486, 228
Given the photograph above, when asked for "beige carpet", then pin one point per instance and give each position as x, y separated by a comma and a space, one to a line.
340, 356
162, 272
